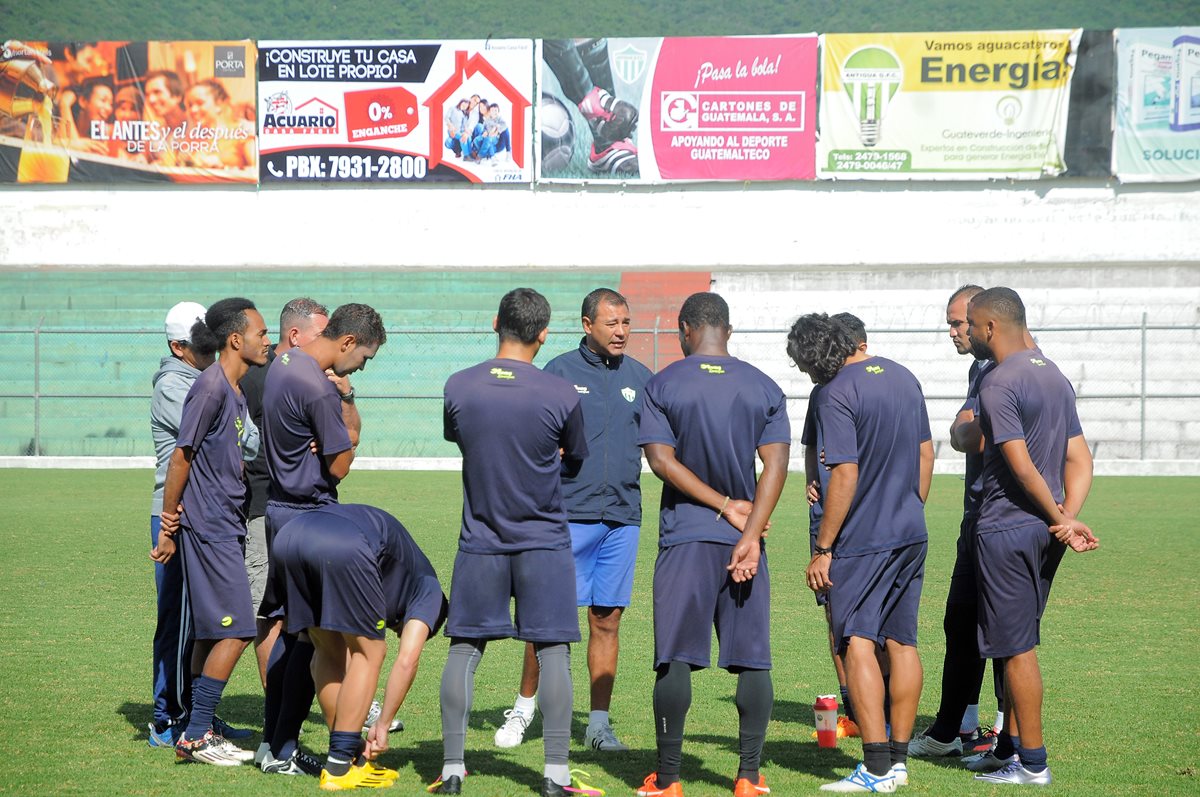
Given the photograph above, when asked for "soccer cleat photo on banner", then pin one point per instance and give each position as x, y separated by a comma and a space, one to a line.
619, 157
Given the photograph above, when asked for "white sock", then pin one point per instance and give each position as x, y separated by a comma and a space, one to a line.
559, 773
449, 770
597, 718
998, 724
525, 706
970, 720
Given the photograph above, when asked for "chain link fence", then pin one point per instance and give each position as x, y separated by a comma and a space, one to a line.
86, 392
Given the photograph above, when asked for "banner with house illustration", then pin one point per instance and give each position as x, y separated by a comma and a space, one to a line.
652, 110
1157, 126
117, 112
396, 112
945, 106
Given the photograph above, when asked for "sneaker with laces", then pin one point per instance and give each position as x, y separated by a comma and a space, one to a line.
373, 716
862, 780
610, 119
356, 778
925, 746
512, 732
618, 157
602, 737
744, 787
1015, 773
987, 762
233, 750
222, 728
900, 773
451, 785
580, 786
979, 740
164, 737
299, 763
208, 749
650, 788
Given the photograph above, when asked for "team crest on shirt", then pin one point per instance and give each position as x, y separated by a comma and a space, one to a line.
582, 390
873, 369
629, 394
1037, 361
285, 358
502, 373
710, 368
379, 625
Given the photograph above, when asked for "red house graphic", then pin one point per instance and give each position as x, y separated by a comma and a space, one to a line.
465, 68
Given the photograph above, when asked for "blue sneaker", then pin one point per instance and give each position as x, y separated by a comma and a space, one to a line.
222, 728
862, 780
167, 737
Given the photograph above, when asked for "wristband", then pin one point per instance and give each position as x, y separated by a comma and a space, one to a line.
347, 396
819, 551
724, 506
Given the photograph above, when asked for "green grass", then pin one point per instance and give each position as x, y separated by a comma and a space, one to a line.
76, 596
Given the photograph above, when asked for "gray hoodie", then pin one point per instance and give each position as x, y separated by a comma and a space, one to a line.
171, 385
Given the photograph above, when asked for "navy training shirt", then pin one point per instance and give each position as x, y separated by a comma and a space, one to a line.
1025, 398
973, 468
808, 437
873, 414
715, 412
509, 420
608, 485
212, 427
300, 404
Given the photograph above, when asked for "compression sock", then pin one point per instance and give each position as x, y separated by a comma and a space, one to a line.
672, 699
877, 758
458, 690
206, 694
281, 651
898, 752
565, 62
754, 698
343, 747
296, 700
555, 693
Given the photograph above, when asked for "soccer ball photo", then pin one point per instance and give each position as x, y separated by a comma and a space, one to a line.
558, 134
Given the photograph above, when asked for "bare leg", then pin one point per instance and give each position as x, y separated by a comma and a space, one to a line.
866, 684
905, 683
264, 643
1025, 690
328, 670
603, 648
530, 672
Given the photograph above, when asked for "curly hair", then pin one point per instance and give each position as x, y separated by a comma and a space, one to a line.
819, 346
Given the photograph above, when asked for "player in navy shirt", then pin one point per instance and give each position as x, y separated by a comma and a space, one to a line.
873, 435
511, 420
604, 507
202, 507
311, 427
1037, 470
703, 420
352, 572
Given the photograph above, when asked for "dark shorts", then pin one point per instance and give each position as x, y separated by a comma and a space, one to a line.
963, 586
214, 576
876, 596
275, 591
331, 580
694, 593
1015, 568
542, 582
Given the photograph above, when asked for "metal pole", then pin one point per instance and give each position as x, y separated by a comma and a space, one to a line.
657, 319
37, 388
1143, 401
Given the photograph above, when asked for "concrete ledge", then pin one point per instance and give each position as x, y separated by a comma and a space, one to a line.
1110, 467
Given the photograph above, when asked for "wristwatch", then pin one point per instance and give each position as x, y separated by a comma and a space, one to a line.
347, 396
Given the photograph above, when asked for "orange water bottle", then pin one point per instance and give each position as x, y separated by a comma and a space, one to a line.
826, 712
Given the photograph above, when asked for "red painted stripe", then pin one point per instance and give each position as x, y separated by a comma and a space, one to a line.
655, 298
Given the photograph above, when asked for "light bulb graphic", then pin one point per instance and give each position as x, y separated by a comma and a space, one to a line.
871, 77
1008, 109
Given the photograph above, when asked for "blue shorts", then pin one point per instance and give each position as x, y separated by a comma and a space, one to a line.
542, 582
275, 591
876, 596
605, 553
1015, 568
963, 585
693, 593
218, 591
331, 581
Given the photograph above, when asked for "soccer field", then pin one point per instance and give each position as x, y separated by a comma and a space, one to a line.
1121, 654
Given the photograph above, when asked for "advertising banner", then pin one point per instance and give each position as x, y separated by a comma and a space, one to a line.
661, 110
945, 106
127, 112
1157, 130
396, 112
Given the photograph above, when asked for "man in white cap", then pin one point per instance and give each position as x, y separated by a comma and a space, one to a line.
172, 646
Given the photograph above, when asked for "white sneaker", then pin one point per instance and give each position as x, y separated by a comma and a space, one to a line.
263, 753
862, 780
512, 732
233, 750
925, 746
602, 737
209, 749
987, 762
373, 715
1015, 773
900, 773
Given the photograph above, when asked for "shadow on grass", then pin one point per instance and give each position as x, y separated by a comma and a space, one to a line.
240, 711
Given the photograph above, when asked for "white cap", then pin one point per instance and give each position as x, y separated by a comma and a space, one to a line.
180, 320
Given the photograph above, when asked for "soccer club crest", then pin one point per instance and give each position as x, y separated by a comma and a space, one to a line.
629, 394
629, 63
